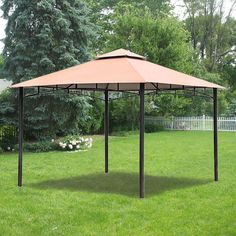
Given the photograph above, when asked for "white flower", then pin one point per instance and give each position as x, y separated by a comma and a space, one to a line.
73, 142
89, 145
86, 140
53, 140
78, 146
13, 149
8, 148
70, 146
62, 145
90, 140
82, 139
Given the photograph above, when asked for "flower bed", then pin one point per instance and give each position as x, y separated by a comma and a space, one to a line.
68, 143
75, 143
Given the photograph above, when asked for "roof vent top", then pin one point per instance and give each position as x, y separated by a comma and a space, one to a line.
120, 53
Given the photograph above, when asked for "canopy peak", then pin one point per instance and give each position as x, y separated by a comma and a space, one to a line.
120, 53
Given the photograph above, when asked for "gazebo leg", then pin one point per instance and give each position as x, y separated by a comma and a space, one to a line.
141, 143
20, 157
106, 128
215, 135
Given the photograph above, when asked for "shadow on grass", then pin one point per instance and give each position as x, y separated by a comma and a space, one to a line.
119, 183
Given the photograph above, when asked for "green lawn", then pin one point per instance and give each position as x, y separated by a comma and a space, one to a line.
68, 193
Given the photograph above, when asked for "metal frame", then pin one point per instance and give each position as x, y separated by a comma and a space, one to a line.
75, 88
141, 142
215, 111
21, 120
106, 127
79, 91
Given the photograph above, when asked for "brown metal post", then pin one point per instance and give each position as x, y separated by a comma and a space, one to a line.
20, 156
141, 143
215, 135
106, 128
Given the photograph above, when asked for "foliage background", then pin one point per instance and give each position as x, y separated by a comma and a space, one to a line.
46, 36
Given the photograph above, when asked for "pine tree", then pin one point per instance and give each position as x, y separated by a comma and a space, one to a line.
43, 37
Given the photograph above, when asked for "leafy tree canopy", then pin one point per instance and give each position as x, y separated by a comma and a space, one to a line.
1, 66
42, 37
102, 14
156, 6
1, 62
213, 33
162, 40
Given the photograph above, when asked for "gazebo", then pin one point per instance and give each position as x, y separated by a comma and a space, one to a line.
118, 71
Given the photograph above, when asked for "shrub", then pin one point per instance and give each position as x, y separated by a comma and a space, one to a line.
68, 143
72, 143
8, 138
42, 146
1, 150
151, 128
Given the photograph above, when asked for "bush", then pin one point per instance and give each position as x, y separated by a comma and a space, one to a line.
8, 138
151, 128
42, 146
1, 150
68, 143
74, 142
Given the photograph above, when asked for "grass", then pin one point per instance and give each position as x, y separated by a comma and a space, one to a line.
68, 193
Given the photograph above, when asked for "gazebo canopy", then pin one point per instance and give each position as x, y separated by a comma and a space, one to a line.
120, 70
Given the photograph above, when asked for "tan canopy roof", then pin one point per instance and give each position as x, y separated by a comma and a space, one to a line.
118, 70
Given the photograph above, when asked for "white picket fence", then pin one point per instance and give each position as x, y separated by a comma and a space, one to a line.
193, 123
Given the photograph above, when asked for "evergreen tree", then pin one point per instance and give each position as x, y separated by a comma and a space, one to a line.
43, 37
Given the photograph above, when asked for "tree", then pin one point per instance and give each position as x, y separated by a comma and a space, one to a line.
213, 31
1, 61
1, 65
156, 6
213, 34
166, 42
103, 15
43, 37
124, 113
162, 40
